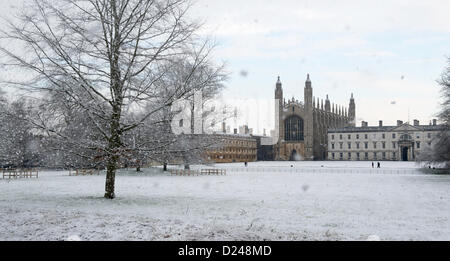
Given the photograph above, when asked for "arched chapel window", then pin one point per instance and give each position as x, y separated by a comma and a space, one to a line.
294, 129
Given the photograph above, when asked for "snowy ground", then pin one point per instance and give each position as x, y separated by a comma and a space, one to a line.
309, 201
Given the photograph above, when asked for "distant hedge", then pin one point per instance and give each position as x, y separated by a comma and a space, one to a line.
436, 171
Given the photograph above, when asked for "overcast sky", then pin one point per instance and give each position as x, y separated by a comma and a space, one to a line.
382, 51
389, 54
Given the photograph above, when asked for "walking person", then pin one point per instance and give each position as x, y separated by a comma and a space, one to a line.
373, 165
379, 165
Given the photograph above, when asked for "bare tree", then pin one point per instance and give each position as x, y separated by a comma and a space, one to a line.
106, 58
71, 139
207, 81
19, 147
440, 151
154, 141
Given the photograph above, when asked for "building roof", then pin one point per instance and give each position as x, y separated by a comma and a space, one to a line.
403, 127
231, 135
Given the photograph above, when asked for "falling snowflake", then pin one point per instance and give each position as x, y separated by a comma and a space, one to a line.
243, 73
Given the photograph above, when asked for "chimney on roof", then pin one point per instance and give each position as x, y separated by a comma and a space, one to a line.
224, 127
235, 131
416, 123
364, 124
434, 122
399, 123
380, 123
243, 130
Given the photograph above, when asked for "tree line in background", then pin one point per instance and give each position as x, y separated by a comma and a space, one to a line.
18, 145
24, 144
106, 74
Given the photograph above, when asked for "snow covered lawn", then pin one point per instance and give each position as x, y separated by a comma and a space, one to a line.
276, 203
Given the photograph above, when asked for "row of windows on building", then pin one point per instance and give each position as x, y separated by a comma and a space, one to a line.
237, 150
365, 145
366, 136
242, 143
237, 156
365, 156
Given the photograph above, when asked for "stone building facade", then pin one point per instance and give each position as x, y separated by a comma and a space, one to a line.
233, 148
403, 142
302, 126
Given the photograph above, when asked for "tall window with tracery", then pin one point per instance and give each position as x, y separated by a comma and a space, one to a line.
294, 129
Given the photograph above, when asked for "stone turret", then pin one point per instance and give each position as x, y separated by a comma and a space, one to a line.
308, 92
352, 112
309, 127
279, 90
327, 104
281, 101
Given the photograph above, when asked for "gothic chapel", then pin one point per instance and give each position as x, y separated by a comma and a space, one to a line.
303, 126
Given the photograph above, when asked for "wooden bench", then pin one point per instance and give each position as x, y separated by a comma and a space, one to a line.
20, 173
84, 172
203, 172
10, 174
218, 172
184, 172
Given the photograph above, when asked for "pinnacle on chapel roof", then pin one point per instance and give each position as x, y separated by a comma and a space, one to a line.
308, 79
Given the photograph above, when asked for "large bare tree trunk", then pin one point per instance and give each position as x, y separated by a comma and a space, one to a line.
110, 178
113, 158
